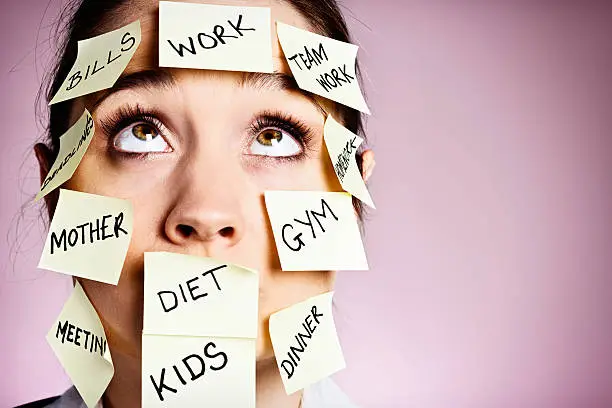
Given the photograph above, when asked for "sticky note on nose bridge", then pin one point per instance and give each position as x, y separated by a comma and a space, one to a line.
216, 37
193, 296
322, 65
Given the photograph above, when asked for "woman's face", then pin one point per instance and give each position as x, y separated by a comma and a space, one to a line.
194, 151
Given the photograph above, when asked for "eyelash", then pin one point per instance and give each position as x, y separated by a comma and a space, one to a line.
129, 115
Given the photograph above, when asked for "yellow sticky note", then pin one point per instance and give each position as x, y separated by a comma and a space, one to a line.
194, 296
305, 342
342, 144
79, 342
100, 61
73, 145
322, 65
315, 230
89, 236
180, 371
205, 36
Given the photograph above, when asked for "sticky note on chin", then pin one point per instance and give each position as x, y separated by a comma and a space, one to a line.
100, 61
322, 65
195, 296
342, 144
305, 342
216, 37
315, 230
73, 145
89, 236
79, 342
182, 371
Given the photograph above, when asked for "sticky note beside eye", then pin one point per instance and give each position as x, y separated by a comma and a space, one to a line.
305, 342
89, 236
79, 342
73, 145
219, 37
195, 296
342, 144
322, 65
100, 61
315, 230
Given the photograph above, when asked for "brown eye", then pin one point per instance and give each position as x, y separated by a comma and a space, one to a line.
268, 136
144, 132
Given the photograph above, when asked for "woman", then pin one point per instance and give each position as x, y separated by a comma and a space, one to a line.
194, 150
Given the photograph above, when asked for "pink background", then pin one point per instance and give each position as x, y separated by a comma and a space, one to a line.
491, 249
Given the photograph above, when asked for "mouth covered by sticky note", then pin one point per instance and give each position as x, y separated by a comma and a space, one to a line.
89, 236
195, 296
315, 230
199, 331
79, 342
73, 145
100, 61
305, 342
218, 37
342, 144
322, 65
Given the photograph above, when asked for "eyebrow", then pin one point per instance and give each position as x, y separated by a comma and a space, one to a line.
152, 79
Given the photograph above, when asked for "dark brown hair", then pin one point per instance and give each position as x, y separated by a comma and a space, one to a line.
83, 19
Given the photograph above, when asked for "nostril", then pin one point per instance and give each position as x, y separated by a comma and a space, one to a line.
184, 230
226, 232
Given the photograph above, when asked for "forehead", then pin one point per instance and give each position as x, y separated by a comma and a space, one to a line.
146, 57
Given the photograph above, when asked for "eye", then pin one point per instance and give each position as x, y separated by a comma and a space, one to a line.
275, 143
141, 137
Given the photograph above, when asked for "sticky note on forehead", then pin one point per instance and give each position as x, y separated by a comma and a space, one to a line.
73, 145
315, 230
322, 65
215, 37
342, 145
183, 371
305, 342
100, 61
89, 236
194, 296
79, 342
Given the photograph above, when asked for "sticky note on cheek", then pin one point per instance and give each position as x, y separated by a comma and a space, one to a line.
322, 65
315, 230
73, 145
89, 236
305, 342
342, 145
79, 342
100, 61
179, 371
216, 37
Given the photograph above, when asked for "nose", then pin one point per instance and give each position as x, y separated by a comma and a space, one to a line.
207, 209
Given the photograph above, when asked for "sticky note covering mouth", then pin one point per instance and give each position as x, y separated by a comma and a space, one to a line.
89, 236
216, 37
199, 331
315, 230
73, 145
79, 342
322, 65
305, 342
195, 296
100, 61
